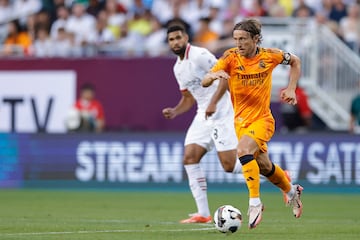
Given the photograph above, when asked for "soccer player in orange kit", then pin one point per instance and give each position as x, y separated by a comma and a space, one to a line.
246, 70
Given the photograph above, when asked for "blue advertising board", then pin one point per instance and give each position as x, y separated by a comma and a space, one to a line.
322, 161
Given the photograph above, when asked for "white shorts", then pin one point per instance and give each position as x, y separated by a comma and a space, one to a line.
209, 133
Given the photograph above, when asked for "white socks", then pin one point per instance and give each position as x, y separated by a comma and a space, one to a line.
254, 201
291, 193
237, 167
198, 187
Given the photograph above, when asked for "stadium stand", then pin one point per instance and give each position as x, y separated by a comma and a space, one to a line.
127, 27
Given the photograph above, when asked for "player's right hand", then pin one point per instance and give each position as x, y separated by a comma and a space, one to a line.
169, 113
222, 75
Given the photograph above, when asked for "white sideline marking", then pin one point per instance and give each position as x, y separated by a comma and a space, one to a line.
124, 221
104, 231
105, 221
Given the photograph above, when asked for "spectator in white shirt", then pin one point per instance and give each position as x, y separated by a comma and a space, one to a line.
62, 13
81, 24
63, 46
104, 35
6, 11
42, 46
349, 27
155, 43
24, 8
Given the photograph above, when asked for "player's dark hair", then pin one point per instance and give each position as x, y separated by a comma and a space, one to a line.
174, 28
251, 26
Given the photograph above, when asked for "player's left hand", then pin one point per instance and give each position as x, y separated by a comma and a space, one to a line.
288, 96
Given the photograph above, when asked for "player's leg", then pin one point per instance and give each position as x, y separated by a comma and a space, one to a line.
197, 182
225, 142
197, 143
229, 161
251, 172
252, 141
280, 178
273, 172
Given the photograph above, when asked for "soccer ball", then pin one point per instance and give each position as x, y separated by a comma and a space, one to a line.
227, 219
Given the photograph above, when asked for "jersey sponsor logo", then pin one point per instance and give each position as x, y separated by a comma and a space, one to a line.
252, 82
253, 76
255, 79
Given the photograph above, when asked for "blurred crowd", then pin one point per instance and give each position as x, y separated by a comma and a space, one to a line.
74, 28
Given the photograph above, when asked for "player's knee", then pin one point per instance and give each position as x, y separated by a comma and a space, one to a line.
243, 152
190, 160
228, 166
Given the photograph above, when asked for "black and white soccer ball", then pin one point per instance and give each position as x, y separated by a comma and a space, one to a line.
227, 219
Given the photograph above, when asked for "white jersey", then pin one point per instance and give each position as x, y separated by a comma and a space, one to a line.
189, 73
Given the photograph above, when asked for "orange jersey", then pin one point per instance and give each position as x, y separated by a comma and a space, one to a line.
250, 82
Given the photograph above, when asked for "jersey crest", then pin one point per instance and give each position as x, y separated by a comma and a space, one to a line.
262, 64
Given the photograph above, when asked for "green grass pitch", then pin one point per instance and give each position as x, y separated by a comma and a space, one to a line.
154, 215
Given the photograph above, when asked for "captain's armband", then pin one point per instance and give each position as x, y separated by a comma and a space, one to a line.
286, 58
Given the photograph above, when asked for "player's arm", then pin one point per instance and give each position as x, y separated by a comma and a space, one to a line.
221, 89
186, 102
217, 71
210, 77
288, 94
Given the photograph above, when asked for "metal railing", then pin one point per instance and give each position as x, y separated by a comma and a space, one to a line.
330, 69
337, 79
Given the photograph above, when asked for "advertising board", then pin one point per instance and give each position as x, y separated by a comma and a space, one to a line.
86, 160
36, 101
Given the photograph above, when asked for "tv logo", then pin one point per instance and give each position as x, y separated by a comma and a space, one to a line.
35, 101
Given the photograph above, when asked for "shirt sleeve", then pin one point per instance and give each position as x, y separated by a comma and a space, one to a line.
206, 60
182, 87
223, 62
278, 56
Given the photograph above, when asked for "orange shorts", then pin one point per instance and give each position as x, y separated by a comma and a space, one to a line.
261, 131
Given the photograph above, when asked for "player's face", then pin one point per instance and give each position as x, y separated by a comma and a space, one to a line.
245, 43
177, 41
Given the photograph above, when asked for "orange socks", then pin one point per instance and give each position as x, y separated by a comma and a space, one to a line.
251, 173
279, 179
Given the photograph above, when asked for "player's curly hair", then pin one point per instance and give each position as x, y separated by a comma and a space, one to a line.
250, 25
